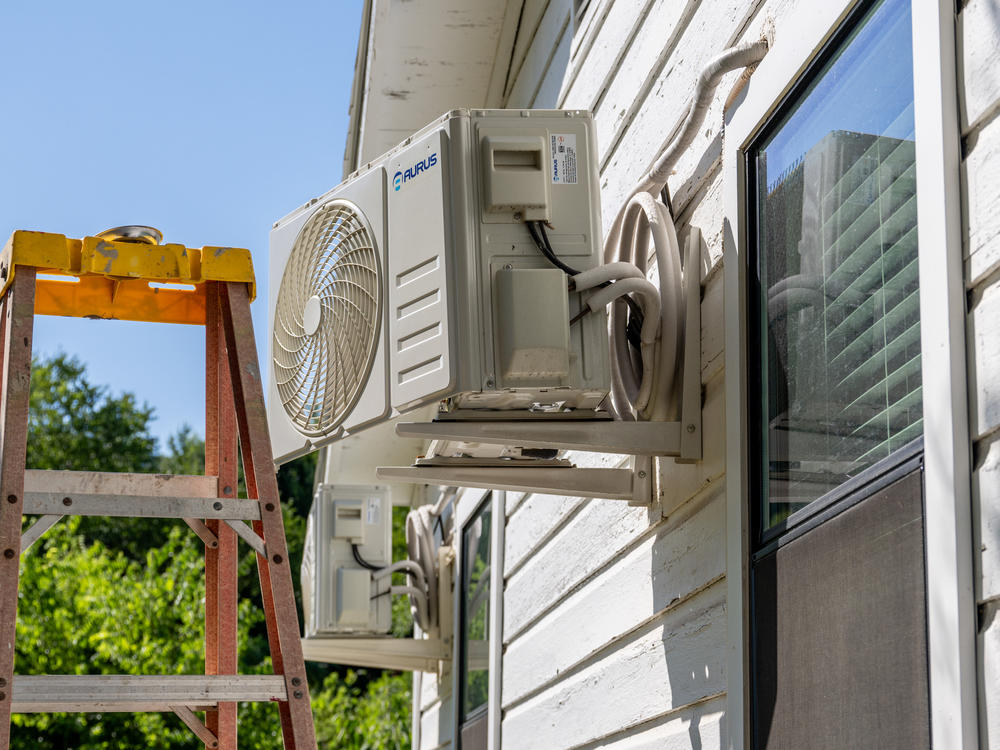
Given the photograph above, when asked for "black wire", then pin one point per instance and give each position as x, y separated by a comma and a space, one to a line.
537, 230
360, 560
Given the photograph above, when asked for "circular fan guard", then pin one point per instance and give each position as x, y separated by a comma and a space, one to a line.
326, 322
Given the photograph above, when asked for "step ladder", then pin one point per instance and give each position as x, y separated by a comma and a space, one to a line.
126, 274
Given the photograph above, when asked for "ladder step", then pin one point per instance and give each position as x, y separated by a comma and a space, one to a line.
139, 506
119, 483
126, 693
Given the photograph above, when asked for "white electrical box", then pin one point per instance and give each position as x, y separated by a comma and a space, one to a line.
348, 525
417, 282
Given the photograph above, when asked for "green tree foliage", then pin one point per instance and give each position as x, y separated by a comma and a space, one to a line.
125, 596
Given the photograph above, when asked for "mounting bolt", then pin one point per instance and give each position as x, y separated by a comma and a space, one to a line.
8, 553
489, 382
642, 475
690, 428
217, 505
67, 501
276, 558
11, 499
3, 696
3, 682
518, 216
298, 694
269, 506
508, 266
296, 681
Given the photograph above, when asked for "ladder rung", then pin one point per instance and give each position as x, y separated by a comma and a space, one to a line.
139, 506
117, 483
121, 693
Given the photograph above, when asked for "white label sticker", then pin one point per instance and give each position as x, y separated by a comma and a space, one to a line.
374, 510
563, 158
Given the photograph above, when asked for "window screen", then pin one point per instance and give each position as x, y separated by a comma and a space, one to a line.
835, 242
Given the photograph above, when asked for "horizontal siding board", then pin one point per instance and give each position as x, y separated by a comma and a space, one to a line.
536, 518
634, 77
979, 60
697, 726
989, 656
663, 570
590, 540
435, 729
536, 61
547, 96
981, 183
676, 661
984, 362
592, 73
986, 501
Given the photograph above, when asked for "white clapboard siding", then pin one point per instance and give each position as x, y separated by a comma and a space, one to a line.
675, 661
591, 73
979, 60
536, 519
660, 573
435, 727
989, 654
637, 72
547, 95
695, 726
986, 492
540, 56
984, 361
981, 177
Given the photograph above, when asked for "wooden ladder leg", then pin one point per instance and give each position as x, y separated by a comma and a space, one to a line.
221, 585
262, 484
17, 323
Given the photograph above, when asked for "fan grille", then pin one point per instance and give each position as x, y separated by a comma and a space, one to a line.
326, 322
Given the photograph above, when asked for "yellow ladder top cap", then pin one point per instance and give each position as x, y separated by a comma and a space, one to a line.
112, 278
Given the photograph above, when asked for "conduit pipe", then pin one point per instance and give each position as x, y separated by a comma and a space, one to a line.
652, 396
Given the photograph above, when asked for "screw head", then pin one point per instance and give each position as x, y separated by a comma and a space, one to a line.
690, 428
3, 682
642, 475
269, 506
276, 558
3, 696
217, 505
296, 681
11, 499
298, 693
67, 501
518, 216
8, 553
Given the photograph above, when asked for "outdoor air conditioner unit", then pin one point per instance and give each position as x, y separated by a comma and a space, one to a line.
348, 533
416, 282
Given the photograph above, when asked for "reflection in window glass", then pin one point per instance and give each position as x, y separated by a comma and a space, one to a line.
836, 247
476, 611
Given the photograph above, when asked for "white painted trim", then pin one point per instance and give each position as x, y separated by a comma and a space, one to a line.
951, 626
499, 502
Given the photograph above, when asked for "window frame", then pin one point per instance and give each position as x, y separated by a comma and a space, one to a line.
468, 503
800, 43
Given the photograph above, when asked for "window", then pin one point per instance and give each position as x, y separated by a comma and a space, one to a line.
475, 627
834, 298
835, 415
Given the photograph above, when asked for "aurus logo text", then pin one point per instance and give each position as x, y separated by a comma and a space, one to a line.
410, 172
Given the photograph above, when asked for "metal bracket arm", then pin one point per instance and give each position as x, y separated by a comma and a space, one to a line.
406, 654
632, 484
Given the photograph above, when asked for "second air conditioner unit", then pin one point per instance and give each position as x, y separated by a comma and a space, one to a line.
417, 282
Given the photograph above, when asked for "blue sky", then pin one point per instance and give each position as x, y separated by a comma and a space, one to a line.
206, 120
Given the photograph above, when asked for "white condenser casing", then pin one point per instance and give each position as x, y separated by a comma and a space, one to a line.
416, 282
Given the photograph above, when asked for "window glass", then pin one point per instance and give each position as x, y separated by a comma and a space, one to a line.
837, 310
476, 610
